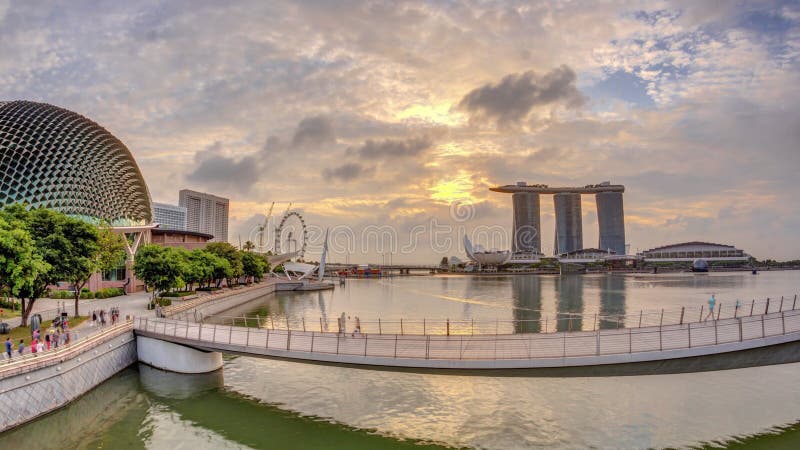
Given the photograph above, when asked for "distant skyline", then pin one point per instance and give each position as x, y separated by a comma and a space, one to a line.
389, 114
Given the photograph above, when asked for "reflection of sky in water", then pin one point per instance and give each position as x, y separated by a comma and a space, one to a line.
487, 299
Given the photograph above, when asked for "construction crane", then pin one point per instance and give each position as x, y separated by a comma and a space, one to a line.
263, 227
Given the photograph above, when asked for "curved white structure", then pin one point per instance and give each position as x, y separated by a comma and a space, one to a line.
484, 258
175, 357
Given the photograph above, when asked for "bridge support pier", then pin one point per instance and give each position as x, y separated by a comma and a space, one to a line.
176, 357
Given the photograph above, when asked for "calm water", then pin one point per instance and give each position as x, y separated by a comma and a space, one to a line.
262, 403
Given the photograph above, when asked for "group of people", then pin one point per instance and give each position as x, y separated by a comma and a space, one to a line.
56, 336
100, 318
712, 303
342, 321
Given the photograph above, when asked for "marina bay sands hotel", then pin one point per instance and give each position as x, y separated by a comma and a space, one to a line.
526, 235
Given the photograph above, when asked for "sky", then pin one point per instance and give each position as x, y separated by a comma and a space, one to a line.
387, 122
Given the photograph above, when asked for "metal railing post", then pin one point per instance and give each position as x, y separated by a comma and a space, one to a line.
472, 332
312, 342
594, 322
200, 332
304, 323
230, 334
320, 324
214, 335
719, 310
701, 313
380, 329
448, 326
272, 321
752, 305
716, 336
780, 308
794, 302
741, 334
690, 335
630, 340
366, 341
461, 348
395, 345
427, 347
424, 327
401, 326
766, 308
247, 341
338, 336
661, 320
640, 318
288, 339
783, 323
564, 346
763, 330
683, 310
266, 345
597, 343
660, 336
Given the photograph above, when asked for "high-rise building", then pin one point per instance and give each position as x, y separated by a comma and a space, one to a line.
569, 227
611, 221
169, 217
205, 213
526, 235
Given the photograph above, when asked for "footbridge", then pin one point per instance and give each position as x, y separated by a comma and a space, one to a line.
734, 341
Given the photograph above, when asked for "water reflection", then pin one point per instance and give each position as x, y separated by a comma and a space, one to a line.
527, 312
569, 306
612, 301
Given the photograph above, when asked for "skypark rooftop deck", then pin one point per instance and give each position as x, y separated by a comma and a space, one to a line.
545, 189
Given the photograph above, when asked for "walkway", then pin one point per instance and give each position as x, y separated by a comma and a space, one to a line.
488, 351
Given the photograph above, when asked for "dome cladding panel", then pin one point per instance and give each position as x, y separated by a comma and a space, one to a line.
58, 159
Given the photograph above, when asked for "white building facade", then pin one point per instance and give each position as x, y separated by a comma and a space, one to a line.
206, 213
169, 217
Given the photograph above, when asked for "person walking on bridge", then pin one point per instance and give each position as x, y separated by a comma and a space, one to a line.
9, 347
711, 303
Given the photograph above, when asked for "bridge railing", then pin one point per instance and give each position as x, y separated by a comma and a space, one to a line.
560, 322
475, 347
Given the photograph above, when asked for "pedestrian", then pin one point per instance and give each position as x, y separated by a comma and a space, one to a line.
102, 317
736, 308
33, 347
94, 318
711, 302
56, 337
39, 347
35, 334
21, 347
9, 347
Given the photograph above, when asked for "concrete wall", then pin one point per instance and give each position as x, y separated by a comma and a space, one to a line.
44, 388
175, 357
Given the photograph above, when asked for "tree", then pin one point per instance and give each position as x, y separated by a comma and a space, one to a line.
229, 253
252, 266
160, 267
20, 264
79, 253
248, 246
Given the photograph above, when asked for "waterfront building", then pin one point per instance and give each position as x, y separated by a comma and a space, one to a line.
689, 251
611, 221
171, 217
526, 235
205, 213
569, 228
189, 240
569, 222
58, 159
54, 158
585, 255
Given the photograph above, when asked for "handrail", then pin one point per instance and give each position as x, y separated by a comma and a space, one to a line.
24, 363
480, 346
560, 322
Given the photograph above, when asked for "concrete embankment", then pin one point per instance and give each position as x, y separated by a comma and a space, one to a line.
34, 386
37, 386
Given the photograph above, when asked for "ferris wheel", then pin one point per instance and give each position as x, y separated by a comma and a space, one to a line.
291, 235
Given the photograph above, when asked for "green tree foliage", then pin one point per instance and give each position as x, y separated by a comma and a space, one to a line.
233, 256
253, 266
20, 263
79, 251
161, 268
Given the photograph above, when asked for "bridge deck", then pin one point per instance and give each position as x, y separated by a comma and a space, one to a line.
530, 350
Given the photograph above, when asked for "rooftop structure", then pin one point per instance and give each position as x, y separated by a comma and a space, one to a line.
526, 232
57, 159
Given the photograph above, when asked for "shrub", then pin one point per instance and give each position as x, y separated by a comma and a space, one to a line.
161, 301
109, 292
177, 294
61, 294
85, 294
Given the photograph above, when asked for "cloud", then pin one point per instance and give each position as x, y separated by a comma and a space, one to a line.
512, 99
313, 131
389, 149
223, 172
346, 172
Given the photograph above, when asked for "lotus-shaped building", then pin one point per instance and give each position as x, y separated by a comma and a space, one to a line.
54, 158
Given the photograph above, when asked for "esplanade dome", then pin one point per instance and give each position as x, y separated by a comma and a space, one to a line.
54, 158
